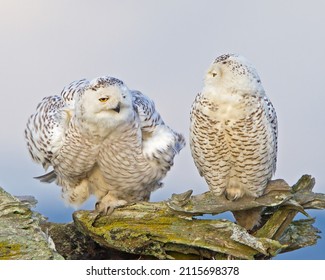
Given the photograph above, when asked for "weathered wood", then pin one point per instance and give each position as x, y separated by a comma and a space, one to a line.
20, 235
166, 230
170, 229
299, 234
301, 195
277, 193
154, 229
71, 244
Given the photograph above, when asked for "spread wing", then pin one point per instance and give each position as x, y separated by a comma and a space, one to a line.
46, 128
145, 108
70, 91
45, 131
158, 140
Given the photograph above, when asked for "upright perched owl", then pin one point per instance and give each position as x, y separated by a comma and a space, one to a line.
102, 138
233, 133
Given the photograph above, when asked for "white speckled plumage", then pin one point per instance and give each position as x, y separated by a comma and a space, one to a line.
233, 132
102, 138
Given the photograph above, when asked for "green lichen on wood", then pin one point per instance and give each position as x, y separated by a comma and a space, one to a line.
167, 229
170, 229
20, 234
154, 229
9, 251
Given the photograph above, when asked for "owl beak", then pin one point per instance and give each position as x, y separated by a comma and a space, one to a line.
117, 108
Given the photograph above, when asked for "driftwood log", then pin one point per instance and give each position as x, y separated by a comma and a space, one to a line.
174, 229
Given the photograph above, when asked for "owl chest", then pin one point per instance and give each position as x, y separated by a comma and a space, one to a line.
122, 152
229, 121
121, 159
77, 156
227, 106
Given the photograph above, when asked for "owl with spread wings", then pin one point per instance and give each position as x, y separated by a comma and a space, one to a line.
102, 139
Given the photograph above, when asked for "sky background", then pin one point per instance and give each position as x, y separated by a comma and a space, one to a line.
163, 49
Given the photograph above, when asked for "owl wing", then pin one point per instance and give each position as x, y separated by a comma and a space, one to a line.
196, 136
272, 117
158, 140
70, 91
145, 108
46, 128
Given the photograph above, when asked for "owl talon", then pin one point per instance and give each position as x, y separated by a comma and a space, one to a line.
97, 206
107, 205
234, 193
101, 209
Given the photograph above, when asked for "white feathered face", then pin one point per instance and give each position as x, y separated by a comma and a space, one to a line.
234, 72
106, 102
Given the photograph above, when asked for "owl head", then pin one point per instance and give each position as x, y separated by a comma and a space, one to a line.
105, 102
233, 72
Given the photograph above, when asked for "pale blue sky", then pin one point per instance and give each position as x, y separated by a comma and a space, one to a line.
162, 48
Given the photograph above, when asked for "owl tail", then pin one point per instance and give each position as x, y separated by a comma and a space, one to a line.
47, 178
248, 218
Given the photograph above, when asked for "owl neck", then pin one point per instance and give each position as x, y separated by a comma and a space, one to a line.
221, 95
102, 127
231, 94
129, 130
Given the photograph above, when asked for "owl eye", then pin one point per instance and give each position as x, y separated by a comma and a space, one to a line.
103, 99
213, 74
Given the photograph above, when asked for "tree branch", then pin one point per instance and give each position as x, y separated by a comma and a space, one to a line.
170, 229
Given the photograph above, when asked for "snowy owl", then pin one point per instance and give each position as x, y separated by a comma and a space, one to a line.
233, 133
104, 139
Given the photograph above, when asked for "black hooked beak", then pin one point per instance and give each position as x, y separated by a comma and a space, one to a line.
117, 108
